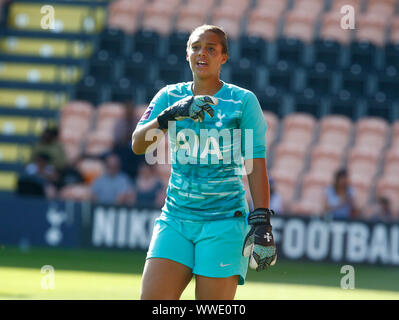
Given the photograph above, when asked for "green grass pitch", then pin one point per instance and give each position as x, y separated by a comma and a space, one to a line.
95, 274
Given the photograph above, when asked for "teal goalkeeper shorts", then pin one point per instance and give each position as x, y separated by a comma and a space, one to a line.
209, 248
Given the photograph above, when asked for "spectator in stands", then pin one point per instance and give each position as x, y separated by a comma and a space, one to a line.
49, 144
69, 176
148, 187
339, 197
381, 211
276, 201
114, 186
39, 178
123, 143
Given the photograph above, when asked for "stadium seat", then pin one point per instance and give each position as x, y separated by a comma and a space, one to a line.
362, 189
102, 67
387, 81
253, 48
289, 157
290, 50
89, 90
123, 91
31, 99
244, 74
171, 70
177, 45
45, 47
314, 7
394, 36
21, 126
391, 52
355, 80
298, 129
380, 106
308, 101
331, 28
263, 24
147, 43
319, 79
372, 131
326, 159
79, 108
328, 52
272, 128
364, 54
277, 6
10, 152
272, 99
113, 41
281, 75
229, 18
362, 163
338, 4
99, 142
158, 19
388, 186
124, 15
75, 192
384, 8
285, 182
188, 18
335, 130
311, 201
299, 25
391, 163
371, 27
8, 180
90, 169
138, 69
344, 103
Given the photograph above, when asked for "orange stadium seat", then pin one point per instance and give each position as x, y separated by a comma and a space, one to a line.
300, 25
79, 108
338, 4
384, 8
391, 163
98, 142
331, 28
123, 14
271, 5
90, 169
326, 159
371, 27
362, 161
335, 131
263, 23
371, 131
394, 30
299, 129
285, 183
314, 7
388, 186
188, 18
229, 19
272, 127
362, 187
76, 192
311, 201
289, 158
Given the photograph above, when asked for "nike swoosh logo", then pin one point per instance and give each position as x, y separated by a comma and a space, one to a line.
224, 265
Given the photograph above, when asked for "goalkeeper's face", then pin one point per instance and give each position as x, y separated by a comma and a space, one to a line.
205, 55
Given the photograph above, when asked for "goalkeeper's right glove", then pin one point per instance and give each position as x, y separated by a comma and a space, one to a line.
192, 107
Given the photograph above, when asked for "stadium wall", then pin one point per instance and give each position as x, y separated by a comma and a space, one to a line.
83, 225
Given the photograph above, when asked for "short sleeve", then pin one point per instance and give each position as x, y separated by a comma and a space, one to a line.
156, 106
252, 121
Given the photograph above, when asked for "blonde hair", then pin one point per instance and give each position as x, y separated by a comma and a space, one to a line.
215, 29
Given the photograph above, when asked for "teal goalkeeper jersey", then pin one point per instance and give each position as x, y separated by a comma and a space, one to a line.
207, 157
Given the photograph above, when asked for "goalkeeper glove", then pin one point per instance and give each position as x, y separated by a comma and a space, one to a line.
259, 242
192, 107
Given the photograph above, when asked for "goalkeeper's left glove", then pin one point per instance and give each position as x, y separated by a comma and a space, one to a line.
259, 242
193, 107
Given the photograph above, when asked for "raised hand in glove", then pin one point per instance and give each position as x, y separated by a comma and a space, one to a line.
259, 242
193, 107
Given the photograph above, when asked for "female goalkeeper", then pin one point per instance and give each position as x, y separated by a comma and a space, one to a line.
205, 228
